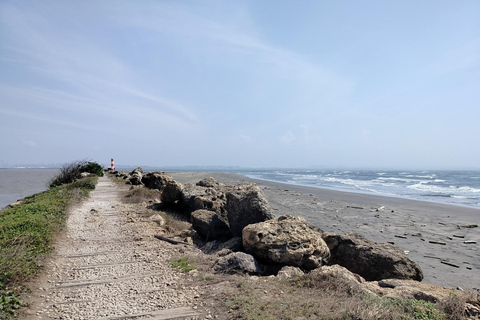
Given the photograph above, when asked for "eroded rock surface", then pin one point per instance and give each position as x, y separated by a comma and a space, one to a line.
371, 260
246, 205
286, 240
209, 225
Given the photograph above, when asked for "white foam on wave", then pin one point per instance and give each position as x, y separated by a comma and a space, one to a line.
452, 190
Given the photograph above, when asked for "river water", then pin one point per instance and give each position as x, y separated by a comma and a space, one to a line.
16, 184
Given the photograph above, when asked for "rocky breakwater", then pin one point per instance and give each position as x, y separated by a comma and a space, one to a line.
236, 224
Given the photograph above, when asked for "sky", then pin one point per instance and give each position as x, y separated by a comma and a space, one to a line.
365, 84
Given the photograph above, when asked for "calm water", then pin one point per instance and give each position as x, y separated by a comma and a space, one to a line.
16, 184
450, 187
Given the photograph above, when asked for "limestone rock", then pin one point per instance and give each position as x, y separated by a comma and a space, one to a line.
371, 260
171, 192
136, 176
196, 197
286, 240
288, 272
237, 262
209, 183
209, 225
339, 272
156, 180
245, 205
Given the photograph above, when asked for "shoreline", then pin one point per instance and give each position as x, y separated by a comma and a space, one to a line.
409, 224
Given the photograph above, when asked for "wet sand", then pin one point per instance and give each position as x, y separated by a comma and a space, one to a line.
411, 225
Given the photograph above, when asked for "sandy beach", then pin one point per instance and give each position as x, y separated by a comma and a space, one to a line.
433, 234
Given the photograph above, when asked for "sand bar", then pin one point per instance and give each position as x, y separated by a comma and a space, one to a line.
414, 226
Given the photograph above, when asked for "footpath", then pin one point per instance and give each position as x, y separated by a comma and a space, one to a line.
108, 265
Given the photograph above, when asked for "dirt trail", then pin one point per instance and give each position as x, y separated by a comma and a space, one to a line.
108, 265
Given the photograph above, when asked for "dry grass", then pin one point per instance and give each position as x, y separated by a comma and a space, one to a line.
315, 298
141, 194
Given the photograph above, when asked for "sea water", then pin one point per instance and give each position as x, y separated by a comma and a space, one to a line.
449, 187
16, 184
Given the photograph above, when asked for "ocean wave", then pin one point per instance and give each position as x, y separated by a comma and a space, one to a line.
452, 190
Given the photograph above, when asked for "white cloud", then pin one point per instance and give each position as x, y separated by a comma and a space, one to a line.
287, 138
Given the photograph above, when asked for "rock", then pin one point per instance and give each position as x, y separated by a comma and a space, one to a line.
288, 272
336, 278
156, 180
209, 183
171, 192
339, 272
371, 260
84, 174
286, 240
234, 244
158, 219
410, 289
245, 205
196, 197
209, 225
237, 262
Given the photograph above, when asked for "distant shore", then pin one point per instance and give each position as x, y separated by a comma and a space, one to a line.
428, 231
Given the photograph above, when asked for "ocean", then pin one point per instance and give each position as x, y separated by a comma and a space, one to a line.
16, 184
460, 188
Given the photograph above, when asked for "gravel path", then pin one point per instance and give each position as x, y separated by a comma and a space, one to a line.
109, 266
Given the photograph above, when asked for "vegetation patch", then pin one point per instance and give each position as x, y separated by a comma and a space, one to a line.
72, 171
264, 299
26, 232
183, 264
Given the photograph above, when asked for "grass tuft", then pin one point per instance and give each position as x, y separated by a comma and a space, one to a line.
183, 264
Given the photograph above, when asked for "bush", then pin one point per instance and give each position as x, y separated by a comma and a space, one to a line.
72, 171
93, 167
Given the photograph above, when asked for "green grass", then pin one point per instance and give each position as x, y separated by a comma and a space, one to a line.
183, 264
26, 233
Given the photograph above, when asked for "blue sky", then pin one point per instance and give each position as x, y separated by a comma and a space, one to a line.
244, 83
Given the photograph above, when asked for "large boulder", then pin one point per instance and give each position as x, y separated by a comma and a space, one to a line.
172, 192
209, 183
237, 262
286, 240
371, 260
196, 197
217, 246
209, 225
156, 180
136, 176
245, 205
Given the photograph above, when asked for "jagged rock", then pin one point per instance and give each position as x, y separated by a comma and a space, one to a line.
171, 192
209, 183
136, 176
209, 225
237, 262
245, 205
234, 245
156, 180
196, 197
286, 240
288, 272
371, 260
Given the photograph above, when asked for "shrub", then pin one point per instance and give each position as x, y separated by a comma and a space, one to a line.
72, 171
93, 167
